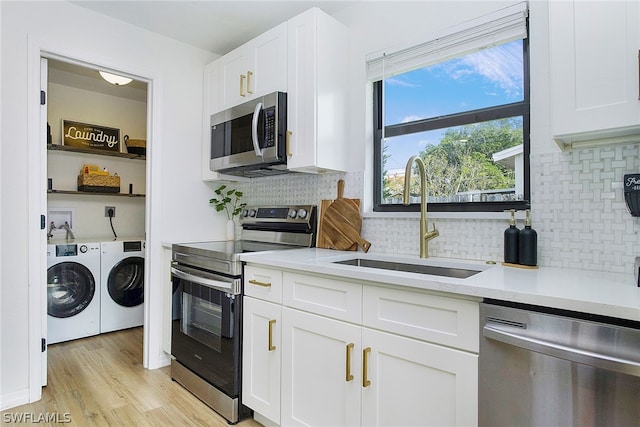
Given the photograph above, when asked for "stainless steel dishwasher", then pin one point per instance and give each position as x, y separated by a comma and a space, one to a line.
542, 367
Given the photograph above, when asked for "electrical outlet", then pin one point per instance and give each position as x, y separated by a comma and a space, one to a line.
110, 208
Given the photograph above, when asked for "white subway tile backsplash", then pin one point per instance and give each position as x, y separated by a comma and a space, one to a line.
578, 211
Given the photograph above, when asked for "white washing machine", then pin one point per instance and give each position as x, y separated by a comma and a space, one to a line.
73, 291
122, 283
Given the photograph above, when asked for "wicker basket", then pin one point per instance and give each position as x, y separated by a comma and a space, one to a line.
136, 146
99, 183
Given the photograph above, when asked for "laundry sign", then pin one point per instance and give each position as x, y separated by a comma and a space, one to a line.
84, 135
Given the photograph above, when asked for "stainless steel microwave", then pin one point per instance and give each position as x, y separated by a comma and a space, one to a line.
250, 139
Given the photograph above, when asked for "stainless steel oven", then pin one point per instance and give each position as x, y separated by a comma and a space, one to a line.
207, 302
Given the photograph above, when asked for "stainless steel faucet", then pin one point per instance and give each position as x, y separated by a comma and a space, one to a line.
425, 234
52, 227
70, 235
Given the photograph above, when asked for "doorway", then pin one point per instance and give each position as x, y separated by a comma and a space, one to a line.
95, 194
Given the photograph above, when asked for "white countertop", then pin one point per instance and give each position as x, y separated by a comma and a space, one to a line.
607, 294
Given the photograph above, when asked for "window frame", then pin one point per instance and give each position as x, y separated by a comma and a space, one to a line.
521, 108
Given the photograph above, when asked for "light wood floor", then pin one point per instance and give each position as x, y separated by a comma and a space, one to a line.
100, 381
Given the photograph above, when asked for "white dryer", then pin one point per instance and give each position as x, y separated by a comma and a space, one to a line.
73, 291
122, 283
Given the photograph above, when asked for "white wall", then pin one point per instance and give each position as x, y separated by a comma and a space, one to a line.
175, 71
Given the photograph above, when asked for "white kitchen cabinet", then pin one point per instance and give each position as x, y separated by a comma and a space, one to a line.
307, 58
413, 383
317, 93
316, 389
261, 354
263, 283
594, 69
261, 341
254, 69
448, 321
360, 354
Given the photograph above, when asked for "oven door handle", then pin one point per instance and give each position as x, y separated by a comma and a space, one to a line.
210, 283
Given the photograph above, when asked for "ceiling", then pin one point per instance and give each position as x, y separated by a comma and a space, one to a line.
86, 78
214, 25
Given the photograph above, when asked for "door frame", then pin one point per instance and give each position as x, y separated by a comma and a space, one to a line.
153, 354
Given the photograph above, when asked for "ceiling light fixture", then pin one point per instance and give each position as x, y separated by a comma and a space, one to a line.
115, 79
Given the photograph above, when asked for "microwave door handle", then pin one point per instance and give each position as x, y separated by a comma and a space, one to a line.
254, 130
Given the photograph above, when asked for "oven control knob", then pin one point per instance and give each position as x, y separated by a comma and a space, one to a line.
302, 213
244, 212
252, 212
84, 249
292, 213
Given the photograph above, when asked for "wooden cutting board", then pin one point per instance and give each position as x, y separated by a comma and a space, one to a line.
321, 239
341, 223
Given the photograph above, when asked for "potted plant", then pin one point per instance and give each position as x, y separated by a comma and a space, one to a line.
228, 201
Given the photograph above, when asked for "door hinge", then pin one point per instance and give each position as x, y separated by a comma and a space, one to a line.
42, 222
44, 345
43, 97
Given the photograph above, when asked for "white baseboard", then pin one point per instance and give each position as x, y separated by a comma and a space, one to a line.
160, 361
11, 400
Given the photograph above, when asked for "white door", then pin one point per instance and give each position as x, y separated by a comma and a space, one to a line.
261, 350
417, 383
44, 78
321, 371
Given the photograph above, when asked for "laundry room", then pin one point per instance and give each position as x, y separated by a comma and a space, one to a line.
96, 186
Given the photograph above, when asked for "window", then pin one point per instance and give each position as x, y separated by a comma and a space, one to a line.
460, 103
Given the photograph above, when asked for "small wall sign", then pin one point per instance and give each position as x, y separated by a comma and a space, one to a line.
84, 135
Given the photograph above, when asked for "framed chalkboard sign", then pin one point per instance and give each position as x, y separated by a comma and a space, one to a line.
85, 135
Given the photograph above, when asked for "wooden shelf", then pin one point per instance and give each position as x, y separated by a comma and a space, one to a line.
88, 193
56, 147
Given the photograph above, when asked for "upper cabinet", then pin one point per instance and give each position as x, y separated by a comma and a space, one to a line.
594, 71
256, 68
306, 57
317, 93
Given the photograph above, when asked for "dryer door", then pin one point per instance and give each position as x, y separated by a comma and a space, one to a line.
70, 289
126, 282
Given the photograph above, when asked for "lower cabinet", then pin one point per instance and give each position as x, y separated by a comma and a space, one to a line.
414, 383
316, 387
306, 368
261, 357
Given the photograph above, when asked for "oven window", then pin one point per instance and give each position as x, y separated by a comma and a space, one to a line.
202, 320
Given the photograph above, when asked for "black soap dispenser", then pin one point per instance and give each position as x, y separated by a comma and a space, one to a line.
528, 243
511, 241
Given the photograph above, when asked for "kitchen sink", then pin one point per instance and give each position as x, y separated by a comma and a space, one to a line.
459, 273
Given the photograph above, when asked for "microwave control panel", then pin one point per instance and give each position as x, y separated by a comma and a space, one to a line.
269, 127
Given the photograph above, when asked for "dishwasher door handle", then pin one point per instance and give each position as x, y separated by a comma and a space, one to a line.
596, 360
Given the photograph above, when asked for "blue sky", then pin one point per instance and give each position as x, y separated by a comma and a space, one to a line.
486, 78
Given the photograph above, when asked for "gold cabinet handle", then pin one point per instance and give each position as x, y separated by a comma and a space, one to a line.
271, 323
263, 284
249, 74
242, 77
365, 367
288, 142
349, 375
